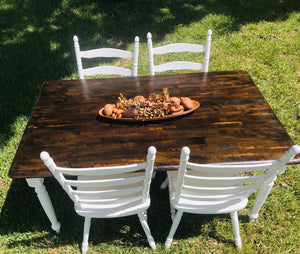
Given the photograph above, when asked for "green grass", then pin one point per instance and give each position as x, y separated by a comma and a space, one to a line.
261, 37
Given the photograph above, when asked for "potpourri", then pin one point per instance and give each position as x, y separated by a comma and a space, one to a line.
157, 105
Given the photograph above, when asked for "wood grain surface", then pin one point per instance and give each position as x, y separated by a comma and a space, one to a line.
234, 123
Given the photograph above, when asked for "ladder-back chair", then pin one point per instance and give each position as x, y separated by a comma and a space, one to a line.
107, 192
221, 188
106, 52
177, 48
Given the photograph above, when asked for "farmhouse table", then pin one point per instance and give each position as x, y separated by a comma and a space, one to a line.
234, 123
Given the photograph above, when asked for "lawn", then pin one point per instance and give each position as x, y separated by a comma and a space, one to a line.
261, 37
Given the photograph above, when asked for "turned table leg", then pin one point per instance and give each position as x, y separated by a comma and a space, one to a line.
42, 194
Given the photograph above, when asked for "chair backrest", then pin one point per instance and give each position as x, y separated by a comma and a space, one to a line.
106, 52
177, 48
204, 182
90, 187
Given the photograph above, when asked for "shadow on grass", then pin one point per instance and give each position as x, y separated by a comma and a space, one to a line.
36, 38
22, 213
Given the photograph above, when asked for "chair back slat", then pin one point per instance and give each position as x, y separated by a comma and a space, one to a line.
209, 198
214, 191
107, 193
106, 183
110, 196
179, 47
109, 202
178, 65
107, 70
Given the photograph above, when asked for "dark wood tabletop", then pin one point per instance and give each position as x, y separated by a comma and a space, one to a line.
234, 123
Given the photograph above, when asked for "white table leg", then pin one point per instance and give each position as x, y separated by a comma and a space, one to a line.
261, 197
42, 194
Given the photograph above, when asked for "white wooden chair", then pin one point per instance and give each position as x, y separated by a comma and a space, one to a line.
221, 188
106, 52
176, 48
178, 65
107, 192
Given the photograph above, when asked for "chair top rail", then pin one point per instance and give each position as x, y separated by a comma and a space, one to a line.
106, 52
179, 47
102, 170
235, 168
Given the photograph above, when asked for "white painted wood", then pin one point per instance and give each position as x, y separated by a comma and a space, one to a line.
207, 51
42, 194
179, 47
101, 171
261, 198
86, 232
178, 65
176, 48
107, 192
175, 224
143, 220
107, 70
236, 229
78, 57
106, 52
221, 188
164, 183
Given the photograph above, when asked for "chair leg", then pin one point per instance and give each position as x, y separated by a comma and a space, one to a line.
175, 224
86, 232
173, 212
164, 184
153, 175
236, 230
260, 199
143, 220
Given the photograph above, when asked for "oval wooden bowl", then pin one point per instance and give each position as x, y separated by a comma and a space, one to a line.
196, 105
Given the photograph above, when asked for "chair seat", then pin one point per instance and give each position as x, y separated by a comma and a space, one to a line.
210, 207
112, 210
